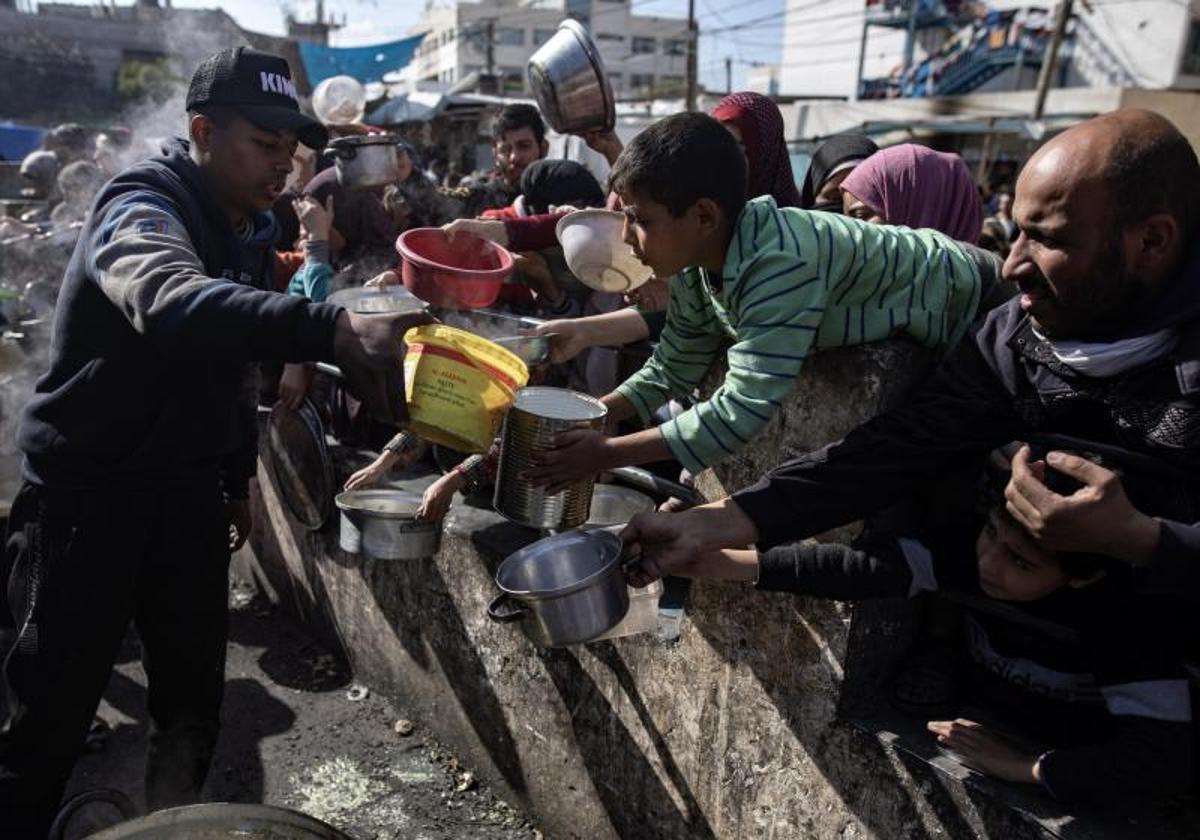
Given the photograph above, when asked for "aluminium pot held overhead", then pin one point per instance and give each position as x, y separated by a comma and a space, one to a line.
365, 161
568, 80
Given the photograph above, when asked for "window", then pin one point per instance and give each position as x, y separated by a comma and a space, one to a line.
580, 10
541, 36
608, 36
615, 80
1191, 54
641, 82
506, 37
512, 79
674, 46
644, 46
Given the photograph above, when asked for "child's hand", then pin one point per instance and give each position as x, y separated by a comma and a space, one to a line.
984, 750
568, 339
492, 230
605, 143
438, 496
383, 279
370, 475
578, 454
651, 296
316, 219
294, 385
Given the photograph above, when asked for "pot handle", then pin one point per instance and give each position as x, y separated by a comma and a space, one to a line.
495, 614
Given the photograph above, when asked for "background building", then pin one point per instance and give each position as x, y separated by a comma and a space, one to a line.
975, 47
645, 56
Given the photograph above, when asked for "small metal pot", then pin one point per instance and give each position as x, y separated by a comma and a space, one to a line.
568, 588
537, 415
567, 77
365, 162
383, 524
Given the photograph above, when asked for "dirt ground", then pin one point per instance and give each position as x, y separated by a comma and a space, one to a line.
292, 736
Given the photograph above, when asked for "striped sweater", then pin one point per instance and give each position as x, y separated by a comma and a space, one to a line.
794, 279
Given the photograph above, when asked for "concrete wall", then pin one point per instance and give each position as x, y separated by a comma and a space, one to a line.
732, 730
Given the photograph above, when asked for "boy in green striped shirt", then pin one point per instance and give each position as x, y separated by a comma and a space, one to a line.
774, 282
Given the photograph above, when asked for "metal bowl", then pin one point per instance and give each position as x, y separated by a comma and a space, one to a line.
531, 349
221, 820
362, 300
567, 78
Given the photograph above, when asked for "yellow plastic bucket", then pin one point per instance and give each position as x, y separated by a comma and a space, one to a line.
458, 386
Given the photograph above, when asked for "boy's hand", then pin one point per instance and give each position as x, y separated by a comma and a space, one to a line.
370, 351
438, 496
605, 143
578, 454
316, 219
568, 339
383, 279
985, 751
1097, 518
652, 296
492, 230
368, 476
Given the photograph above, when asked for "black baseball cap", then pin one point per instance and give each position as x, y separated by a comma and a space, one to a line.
258, 86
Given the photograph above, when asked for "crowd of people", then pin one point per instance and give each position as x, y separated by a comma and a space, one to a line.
1067, 323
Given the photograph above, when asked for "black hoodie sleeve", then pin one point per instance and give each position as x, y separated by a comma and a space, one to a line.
965, 410
143, 260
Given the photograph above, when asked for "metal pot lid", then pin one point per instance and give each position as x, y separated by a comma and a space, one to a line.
300, 463
383, 503
373, 301
365, 140
559, 404
559, 565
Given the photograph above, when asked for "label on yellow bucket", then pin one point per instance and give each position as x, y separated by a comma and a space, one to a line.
458, 386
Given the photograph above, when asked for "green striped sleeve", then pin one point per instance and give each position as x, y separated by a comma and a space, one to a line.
687, 347
776, 303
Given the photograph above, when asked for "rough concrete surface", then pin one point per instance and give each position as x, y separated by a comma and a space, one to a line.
732, 730
292, 737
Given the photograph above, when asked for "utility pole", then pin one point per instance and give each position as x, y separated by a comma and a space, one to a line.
1051, 57
489, 46
691, 56
728, 75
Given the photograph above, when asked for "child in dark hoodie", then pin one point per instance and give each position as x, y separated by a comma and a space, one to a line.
1102, 693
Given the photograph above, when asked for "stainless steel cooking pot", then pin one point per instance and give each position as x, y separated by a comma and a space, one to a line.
567, 77
537, 415
364, 162
567, 588
383, 524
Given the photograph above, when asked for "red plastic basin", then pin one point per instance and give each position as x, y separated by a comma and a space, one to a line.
465, 273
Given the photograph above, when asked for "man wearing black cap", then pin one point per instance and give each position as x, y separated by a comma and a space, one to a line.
139, 440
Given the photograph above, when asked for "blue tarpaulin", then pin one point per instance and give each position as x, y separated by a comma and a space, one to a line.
16, 141
367, 64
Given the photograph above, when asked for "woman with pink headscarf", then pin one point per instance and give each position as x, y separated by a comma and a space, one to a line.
916, 187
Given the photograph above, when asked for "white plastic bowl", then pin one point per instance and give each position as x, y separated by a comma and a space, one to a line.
596, 254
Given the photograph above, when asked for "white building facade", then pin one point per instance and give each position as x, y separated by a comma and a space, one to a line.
645, 56
1153, 44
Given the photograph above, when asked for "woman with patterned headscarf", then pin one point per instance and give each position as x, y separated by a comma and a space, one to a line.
758, 126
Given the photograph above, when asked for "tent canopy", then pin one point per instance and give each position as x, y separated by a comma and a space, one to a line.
367, 64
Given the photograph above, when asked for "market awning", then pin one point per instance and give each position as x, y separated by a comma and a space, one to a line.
367, 63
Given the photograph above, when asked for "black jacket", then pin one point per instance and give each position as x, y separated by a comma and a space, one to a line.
162, 307
1005, 386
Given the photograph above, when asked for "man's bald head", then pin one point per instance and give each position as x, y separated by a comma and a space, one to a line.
1141, 159
1105, 213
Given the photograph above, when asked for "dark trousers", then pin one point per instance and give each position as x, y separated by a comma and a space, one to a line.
80, 567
